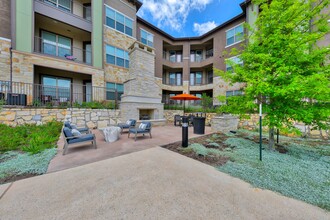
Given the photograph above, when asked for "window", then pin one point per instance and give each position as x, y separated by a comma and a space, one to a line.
88, 52
118, 21
233, 93
117, 56
147, 38
61, 4
175, 56
235, 60
175, 79
114, 91
210, 76
87, 13
56, 87
235, 35
196, 55
55, 45
195, 78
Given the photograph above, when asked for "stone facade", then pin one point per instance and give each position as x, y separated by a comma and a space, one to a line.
5, 45
142, 95
115, 38
93, 118
20, 116
23, 70
220, 87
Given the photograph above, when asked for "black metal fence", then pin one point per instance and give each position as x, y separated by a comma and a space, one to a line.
29, 94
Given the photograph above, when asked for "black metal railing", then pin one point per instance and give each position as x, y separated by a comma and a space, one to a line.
39, 95
71, 6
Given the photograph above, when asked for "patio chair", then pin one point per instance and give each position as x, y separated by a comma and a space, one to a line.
129, 124
144, 128
71, 126
70, 139
177, 119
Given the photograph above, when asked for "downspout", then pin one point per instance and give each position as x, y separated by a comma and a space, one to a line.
11, 69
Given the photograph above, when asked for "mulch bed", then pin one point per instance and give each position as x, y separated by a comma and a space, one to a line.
210, 160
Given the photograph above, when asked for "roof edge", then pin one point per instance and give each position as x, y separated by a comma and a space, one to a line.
193, 38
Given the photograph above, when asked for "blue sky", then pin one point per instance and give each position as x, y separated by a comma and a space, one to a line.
188, 18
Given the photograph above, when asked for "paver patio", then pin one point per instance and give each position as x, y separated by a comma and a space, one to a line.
84, 154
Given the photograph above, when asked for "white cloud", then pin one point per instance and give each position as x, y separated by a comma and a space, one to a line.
201, 29
171, 13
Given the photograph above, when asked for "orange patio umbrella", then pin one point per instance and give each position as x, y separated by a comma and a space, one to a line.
184, 97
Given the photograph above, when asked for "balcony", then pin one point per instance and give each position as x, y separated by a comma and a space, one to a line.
63, 95
71, 12
63, 50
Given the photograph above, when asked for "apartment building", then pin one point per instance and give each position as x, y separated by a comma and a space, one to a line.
78, 50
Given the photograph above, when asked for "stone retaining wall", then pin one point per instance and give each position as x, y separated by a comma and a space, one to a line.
93, 118
20, 116
253, 124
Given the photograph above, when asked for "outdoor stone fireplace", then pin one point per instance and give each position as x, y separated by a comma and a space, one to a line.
142, 96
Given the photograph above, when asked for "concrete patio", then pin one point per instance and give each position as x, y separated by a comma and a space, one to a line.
83, 154
150, 184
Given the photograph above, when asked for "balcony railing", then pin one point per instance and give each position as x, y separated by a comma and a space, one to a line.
38, 95
63, 51
71, 6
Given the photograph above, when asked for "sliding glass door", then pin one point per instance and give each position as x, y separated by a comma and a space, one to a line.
55, 88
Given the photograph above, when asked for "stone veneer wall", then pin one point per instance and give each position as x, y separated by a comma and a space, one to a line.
23, 70
5, 59
112, 73
20, 116
253, 124
93, 118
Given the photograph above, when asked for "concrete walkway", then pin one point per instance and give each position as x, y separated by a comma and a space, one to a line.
84, 154
149, 184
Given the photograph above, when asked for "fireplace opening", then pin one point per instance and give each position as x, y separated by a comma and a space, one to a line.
146, 114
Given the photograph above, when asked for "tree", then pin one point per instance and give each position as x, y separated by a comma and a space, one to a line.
206, 101
284, 68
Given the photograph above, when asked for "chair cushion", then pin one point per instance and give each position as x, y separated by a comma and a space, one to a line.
67, 132
129, 122
143, 126
138, 130
122, 125
87, 137
67, 124
75, 132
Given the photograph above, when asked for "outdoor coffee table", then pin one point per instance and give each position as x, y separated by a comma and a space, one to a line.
111, 134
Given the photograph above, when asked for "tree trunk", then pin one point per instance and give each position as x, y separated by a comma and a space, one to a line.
271, 141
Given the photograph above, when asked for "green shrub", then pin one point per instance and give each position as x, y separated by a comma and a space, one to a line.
30, 138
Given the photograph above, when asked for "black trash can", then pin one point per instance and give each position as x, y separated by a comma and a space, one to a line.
199, 125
